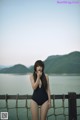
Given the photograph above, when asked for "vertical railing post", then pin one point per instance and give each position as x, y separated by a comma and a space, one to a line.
72, 106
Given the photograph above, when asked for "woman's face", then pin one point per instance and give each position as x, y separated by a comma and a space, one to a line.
39, 69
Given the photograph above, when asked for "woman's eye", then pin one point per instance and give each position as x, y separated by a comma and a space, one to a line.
40, 70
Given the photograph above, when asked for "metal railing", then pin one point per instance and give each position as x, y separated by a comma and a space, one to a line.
71, 99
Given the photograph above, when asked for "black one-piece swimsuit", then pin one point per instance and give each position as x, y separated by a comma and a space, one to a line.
40, 95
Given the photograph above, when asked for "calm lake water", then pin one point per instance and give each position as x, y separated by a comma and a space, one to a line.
20, 84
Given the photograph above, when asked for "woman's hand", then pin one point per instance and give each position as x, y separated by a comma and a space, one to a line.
39, 74
49, 103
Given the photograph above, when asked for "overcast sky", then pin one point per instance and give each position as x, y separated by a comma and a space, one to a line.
35, 29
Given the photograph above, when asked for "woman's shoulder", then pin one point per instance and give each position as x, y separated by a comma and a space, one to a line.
31, 75
47, 76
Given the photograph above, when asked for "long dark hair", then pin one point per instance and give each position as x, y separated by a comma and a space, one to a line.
43, 77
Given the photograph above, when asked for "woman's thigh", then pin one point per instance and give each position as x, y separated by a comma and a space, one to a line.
44, 110
34, 110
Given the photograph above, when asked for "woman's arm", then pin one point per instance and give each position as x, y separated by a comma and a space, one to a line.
34, 84
48, 91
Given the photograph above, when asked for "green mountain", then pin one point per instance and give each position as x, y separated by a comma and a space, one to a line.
57, 64
31, 69
16, 69
2, 66
69, 63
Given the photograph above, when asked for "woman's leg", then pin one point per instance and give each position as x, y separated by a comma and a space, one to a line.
34, 110
44, 110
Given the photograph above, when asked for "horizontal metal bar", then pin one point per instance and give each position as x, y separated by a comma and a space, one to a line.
21, 97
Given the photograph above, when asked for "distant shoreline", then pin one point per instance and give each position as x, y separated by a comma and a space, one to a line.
50, 74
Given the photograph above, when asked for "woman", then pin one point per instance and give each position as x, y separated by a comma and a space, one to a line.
41, 92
